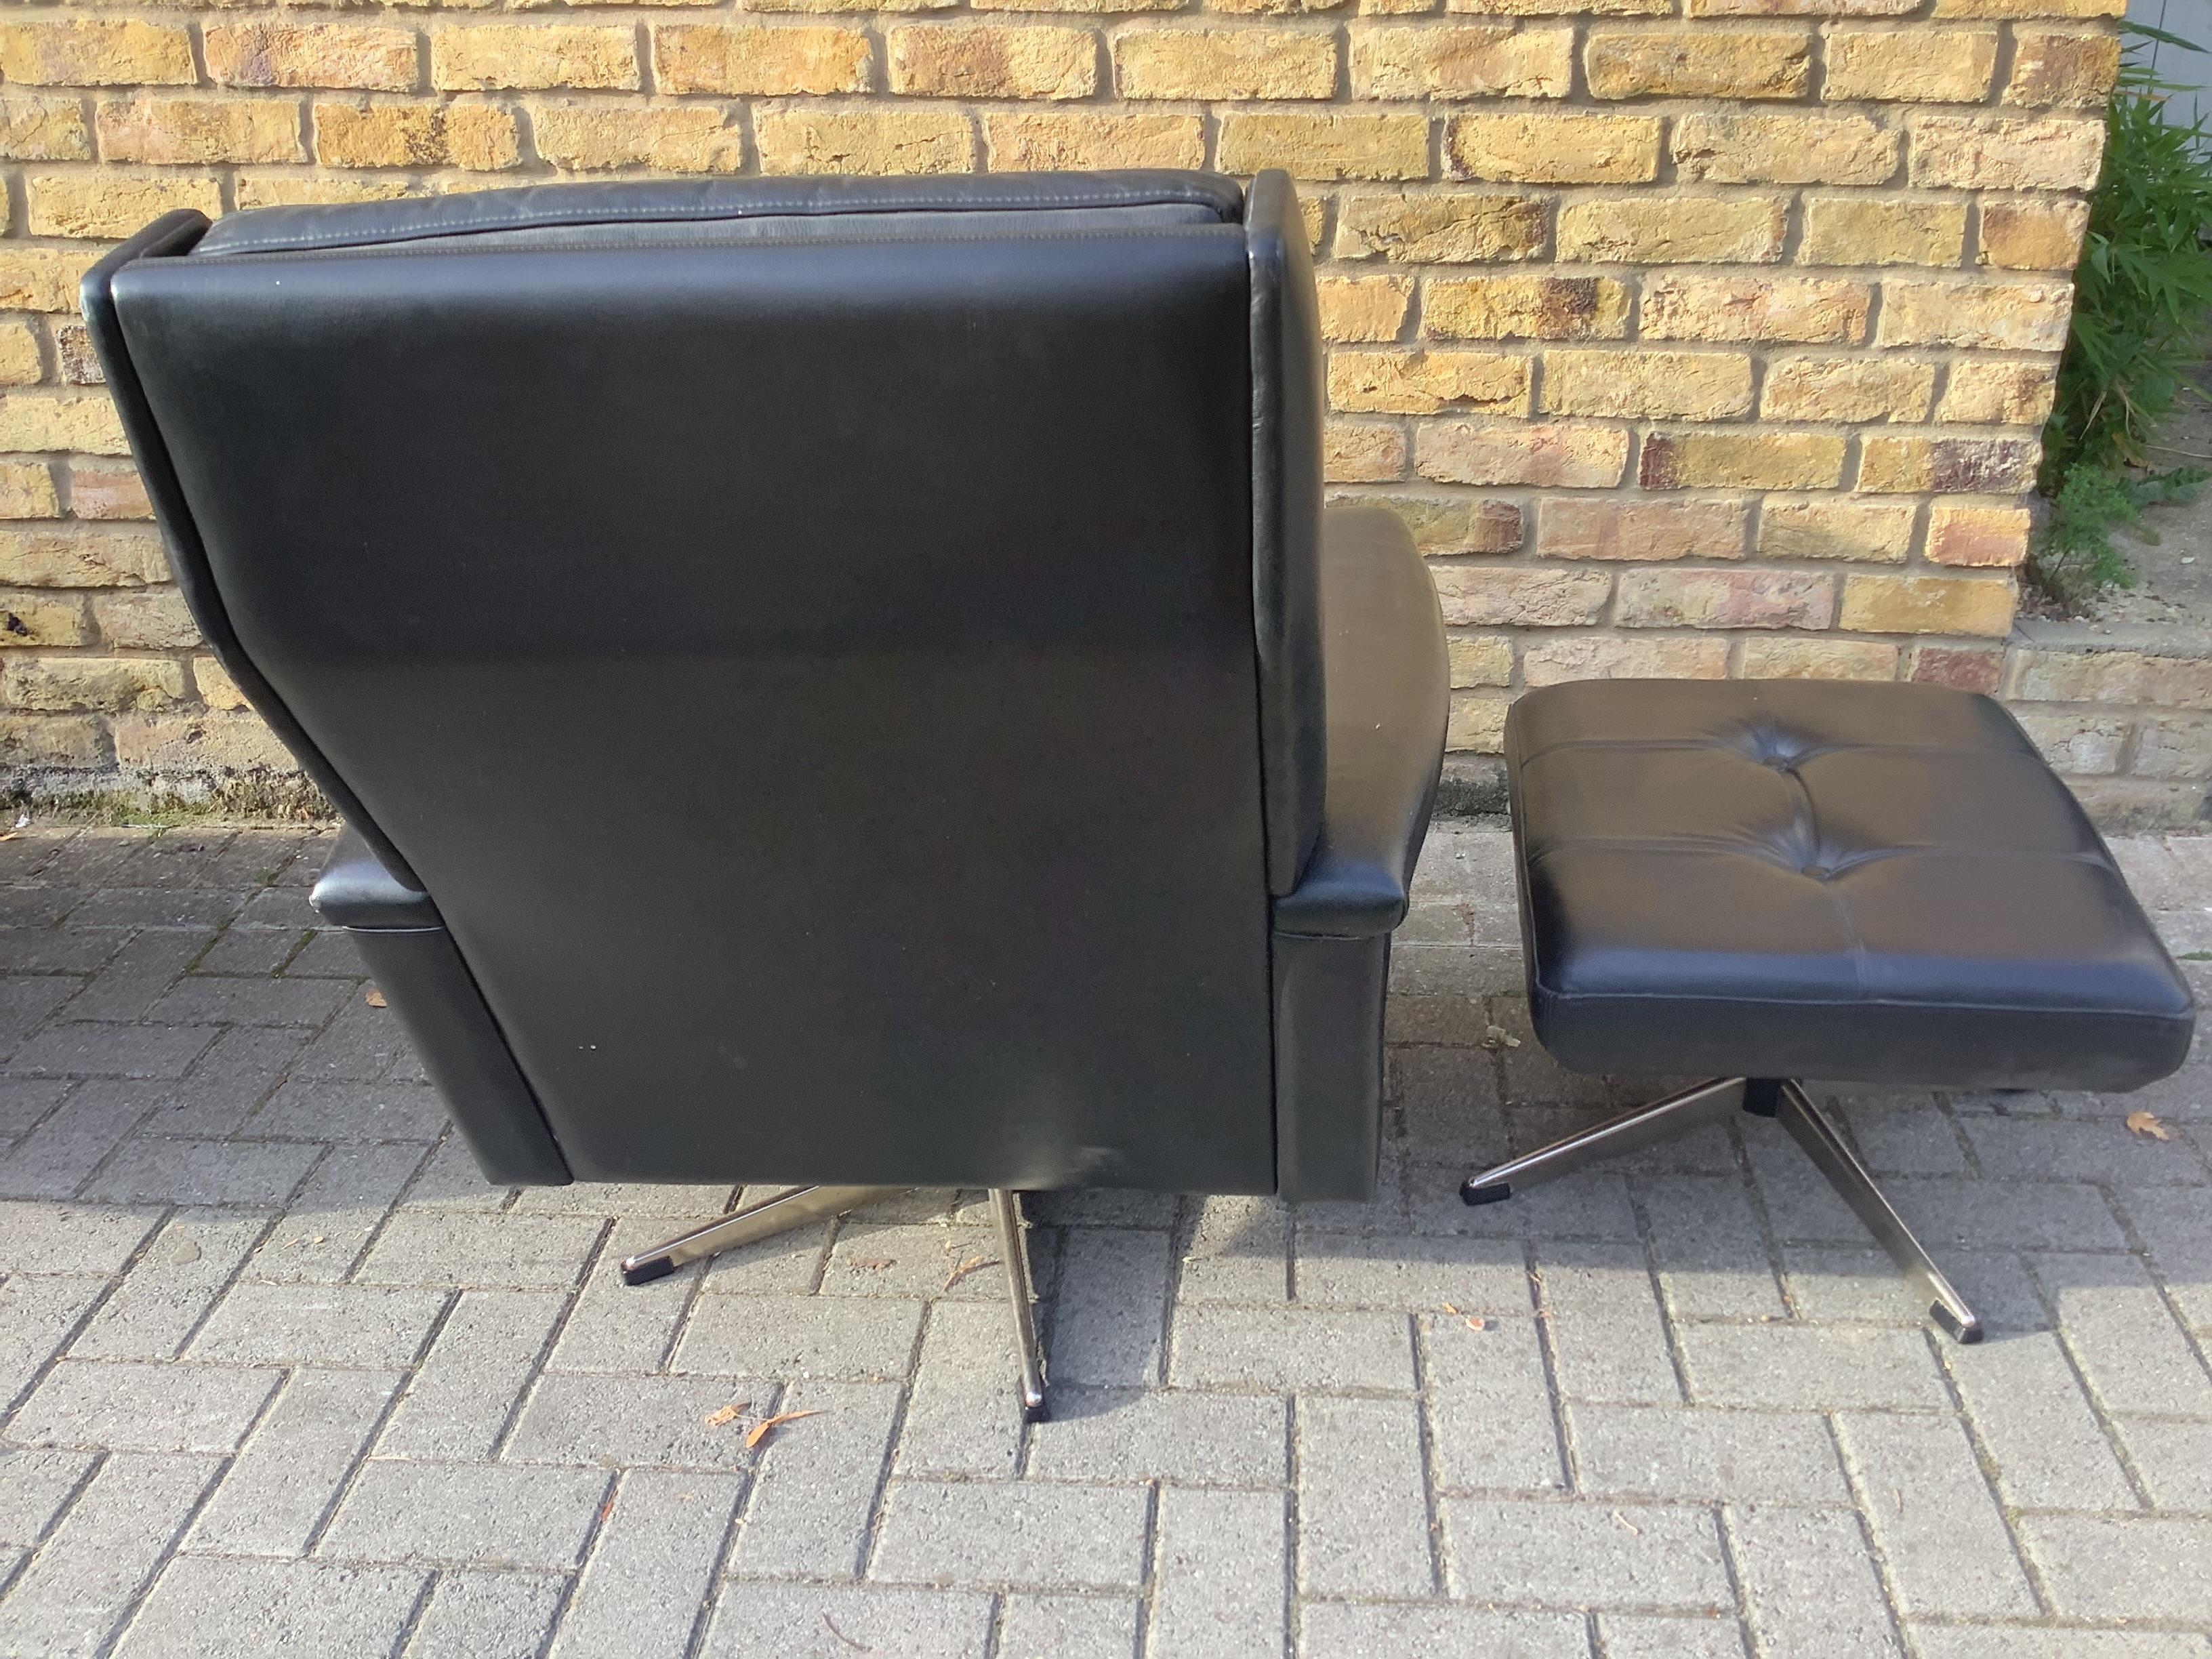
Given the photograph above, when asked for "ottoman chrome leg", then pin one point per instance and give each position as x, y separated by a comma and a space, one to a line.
1810, 1127
1631, 1131
1014, 1246
786, 1210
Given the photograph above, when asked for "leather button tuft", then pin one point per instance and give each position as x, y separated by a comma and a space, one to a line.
1818, 872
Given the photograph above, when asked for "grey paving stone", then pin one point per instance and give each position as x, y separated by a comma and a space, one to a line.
1456, 1020
1699, 1452
278, 907
788, 1264
2125, 1337
2107, 1569
1810, 1368
217, 1609
973, 1534
1990, 1214
206, 999
1490, 1405
1935, 1518
280, 1488
328, 953
351, 1111
1363, 1520
136, 975
1112, 1435
2020, 1642
1642, 1556
53, 1159
1037, 1625
24, 1101
1592, 1204
458, 1401
359, 1046
84, 1049
659, 1421
69, 1238
651, 1566
871, 1258
1339, 1630
837, 1621
641, 1198
334, 1215
364, 1325
1449, 1096
1609, 1336
1707, 1245
791, 1336
465, 1514
815, 1486
1218, 1575
1239, 1251
1808, 1584
449, 1182
37, 1314
1629, 1636
1907, 1134
2051, 1149
34, 1484
2175, 1462
2027, 1404
224, 1085
1291, 1348
148, 1169
955, 1420
125, 1406
171, 1288
487, 1615
1475, 1275
248, 952
522, 1252
69, 1597
1111, 1305
614, 1327
2171, 1223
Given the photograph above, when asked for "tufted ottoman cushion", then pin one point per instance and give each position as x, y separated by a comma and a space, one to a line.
1878, 883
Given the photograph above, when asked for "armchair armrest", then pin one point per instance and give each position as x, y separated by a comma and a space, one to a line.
1389, 697
357, 891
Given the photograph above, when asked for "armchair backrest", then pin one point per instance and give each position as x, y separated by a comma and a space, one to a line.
841, 655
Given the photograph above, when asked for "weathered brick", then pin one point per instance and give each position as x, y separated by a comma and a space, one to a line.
1452, 523
1647, 532
111, 205
36, 128
1058, 141
1802, 308
1785, 656
257, 189
1835, 527
1226, 63
1327, 146
1848, 389
1362, 451
184, 130
1724, 598
1784, 149
200, 742
2028, 7
93, 52
991, 60
531, 56
154, 621
21, 363
26, 490
759, 62
1609, 656
1475, 61
1999, 393
1893, 463
1565, 455
1437, 229
61, 420
107, 492
482, 137
1504, 595
1960, 668
2033, 235
1856, 230
1741, 460
1530, 308
2062, 69
1480, 659
1476, 724
583, 137
1555, 150
1927, 604
32, 619
1702, 63
50, 739
1799, 7
2115, 677
802, 140
1999, 316
80, 557
1699, 385
1040, 5
272, 54
1912, 65
1670, 227
1972, 152
1426, 382
214, 685
2173, 746
1549, 8
68, 684
1363, 307
1959, 534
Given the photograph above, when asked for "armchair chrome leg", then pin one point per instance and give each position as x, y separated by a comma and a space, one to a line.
786, 1210
1810, 1127
1014, 1247
1631, 1131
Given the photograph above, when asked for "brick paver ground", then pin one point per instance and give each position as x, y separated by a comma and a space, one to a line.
279, 1374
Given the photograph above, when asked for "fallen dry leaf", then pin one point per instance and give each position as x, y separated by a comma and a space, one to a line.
1474, 1321
727, 1414
874, 1264
1626, 1525
374, 999
768, 1426
973, 1264
2148, 1125
857, 1647
606, 1508
1498, 1037
11, 835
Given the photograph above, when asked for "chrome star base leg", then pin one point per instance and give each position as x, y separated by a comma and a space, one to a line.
801, 1204
1810, 1126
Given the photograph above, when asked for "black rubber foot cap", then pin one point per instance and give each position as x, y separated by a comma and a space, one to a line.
645, 1271
1039, 1413
1941, 1316
1497, 1192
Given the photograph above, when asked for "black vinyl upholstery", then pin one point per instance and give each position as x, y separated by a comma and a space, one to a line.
1863, 883
826, 675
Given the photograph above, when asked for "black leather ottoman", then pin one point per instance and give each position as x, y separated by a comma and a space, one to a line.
1774, 880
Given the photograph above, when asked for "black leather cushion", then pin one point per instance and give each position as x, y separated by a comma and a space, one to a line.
1880, 883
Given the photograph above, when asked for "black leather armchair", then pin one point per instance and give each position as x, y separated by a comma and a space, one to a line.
841, 682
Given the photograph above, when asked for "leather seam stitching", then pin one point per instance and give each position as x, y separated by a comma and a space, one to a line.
413, 246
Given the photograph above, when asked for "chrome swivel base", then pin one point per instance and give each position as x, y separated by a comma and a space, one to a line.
801, 1204
1811, 1129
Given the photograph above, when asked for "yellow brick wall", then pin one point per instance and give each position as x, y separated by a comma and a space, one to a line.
1693, 337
